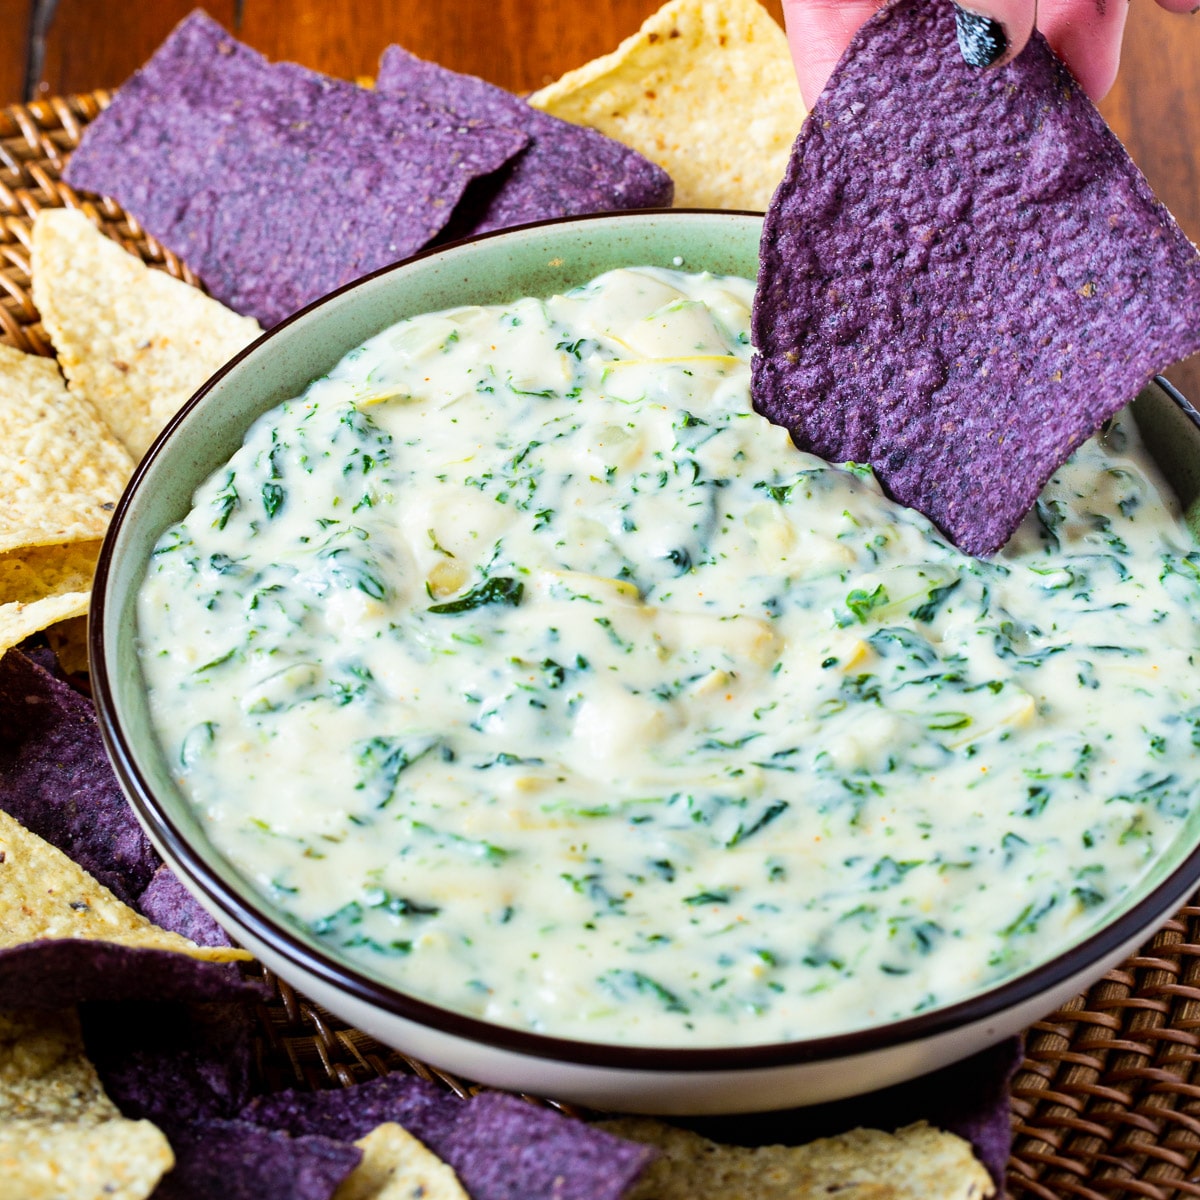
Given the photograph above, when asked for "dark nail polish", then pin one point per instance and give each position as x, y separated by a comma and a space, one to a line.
982, 40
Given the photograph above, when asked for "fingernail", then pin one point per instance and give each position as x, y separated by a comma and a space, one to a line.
981, 39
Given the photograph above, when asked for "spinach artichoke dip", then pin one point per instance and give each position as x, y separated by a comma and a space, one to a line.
526, 667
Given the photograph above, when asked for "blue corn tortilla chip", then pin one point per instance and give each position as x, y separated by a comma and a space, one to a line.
505, 1148
171, 906
172, 1063
501, 1147
962, 275
57, 781
427, 1111
59, 972
566, 170
274, 183
234, 1160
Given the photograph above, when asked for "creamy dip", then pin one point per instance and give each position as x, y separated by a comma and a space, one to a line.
521, 663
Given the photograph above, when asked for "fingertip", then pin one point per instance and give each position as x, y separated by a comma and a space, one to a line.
818, 32
1089, 43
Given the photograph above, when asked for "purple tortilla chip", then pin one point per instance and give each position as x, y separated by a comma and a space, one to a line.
427, 1111
56, 779
172, 1063
234, 1160
58, 972
505, 1148
962, 275
566, 170
170, 905
501, 1147
274, 183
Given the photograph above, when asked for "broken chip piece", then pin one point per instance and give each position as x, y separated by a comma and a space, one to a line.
134, 341
706, 89
396, 1166
962, 276
61, 1137
67, 641
274, 183
42, 586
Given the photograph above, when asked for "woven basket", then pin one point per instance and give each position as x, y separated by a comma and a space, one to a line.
1107, 1103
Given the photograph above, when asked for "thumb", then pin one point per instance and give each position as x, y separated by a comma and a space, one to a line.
993, 32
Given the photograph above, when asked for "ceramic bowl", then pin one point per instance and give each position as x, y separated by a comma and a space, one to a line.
529, 261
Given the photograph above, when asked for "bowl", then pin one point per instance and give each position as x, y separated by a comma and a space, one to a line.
533, 260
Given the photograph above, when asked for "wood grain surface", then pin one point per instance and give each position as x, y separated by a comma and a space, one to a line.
14, 35
522, 44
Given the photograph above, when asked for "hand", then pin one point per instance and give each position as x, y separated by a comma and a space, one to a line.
1085, 34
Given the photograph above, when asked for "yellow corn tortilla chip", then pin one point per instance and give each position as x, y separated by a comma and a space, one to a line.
61, 470
706, 89
43, 585
20, 620
61, 1137
68, 640
915, 1163
40, 571
46, 895
132, 340
396, 1166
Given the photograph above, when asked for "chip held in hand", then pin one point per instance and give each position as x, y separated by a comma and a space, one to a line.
963, 275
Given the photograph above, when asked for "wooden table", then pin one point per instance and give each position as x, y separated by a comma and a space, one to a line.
62, 46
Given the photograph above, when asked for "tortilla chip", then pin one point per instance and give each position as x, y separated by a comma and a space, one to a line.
57, 781
40, 571
61, 470
396, 1166
43, 585
171, 906
706, 89
20, 620
234, 1160
172, 1062
46, 895
962, 276
427, 1111
915, 1163
61, 1137
499, 1146
565, 171
970, 1098
134, 341
273, 183
68, 640
57, 972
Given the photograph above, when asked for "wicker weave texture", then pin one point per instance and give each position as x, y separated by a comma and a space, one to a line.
1107, 1103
